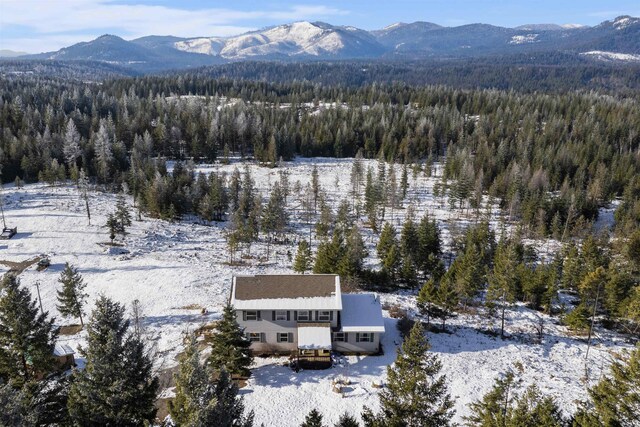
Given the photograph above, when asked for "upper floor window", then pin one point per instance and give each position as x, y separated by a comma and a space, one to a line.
281, 315
303, 316
252, 315
324, 316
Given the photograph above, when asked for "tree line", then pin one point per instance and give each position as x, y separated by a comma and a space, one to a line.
547, 159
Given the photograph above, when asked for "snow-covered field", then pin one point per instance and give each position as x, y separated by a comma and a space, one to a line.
175, 269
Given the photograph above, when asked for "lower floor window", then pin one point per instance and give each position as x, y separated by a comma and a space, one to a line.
340, 336
364, 337
254, 336
283, 337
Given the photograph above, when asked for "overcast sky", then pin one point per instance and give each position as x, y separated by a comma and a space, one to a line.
46, 25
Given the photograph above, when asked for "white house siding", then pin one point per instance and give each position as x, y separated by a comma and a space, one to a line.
351, 346
270, 328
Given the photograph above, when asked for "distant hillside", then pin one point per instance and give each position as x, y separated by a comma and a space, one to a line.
310, 41
6, 53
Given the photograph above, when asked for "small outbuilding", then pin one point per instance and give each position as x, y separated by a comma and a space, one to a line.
64, 356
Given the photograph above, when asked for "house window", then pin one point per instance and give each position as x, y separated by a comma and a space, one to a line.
340, 336
251, 315
303, 316
324, 316
307, 352
281, 315
364, 337
254, 336
283, 337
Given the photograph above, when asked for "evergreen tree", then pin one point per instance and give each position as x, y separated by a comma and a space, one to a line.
573, 269
303, 261
116, 386
429, 245
426, 301
371, 200
532, 408
353, 255
416, 395
229, 346
387, 241
15, 410
315, 187
200, 399
632, 250
192, 381
392, 262
408, 272
392, 188
113, 226
274, 215
71, 144
409, 238
104, 152
446, 298
356, 177
324, 224
577, 319
48, 399
330, 254
122, 214
27, 337
503, 283
71, 297
235, 188
469, 277
404, 181
313, 419
615, 400
492, 410
83, 186
503, 407
347, 420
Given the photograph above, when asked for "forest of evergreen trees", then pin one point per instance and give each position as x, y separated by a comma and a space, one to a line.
549, 161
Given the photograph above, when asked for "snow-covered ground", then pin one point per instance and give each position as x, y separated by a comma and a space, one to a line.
612, 56
175, 269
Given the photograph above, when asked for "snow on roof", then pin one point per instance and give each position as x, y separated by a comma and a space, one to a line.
62, 350
361, 313
314, 336
286, 292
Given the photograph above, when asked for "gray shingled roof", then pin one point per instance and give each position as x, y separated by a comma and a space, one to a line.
277, 286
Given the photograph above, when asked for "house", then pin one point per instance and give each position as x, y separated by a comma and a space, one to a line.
306, 316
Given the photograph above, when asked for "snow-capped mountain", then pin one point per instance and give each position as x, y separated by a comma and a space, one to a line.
548, 27
299, 39
321, 41
202, 45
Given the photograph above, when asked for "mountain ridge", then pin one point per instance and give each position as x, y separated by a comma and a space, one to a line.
306, 40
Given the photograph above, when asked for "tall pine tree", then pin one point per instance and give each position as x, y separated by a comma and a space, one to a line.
27, 337
71, 297
303, 260
116, 386
229, 347
201, 398
416, 393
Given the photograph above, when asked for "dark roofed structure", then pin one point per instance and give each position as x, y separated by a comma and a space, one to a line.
273, 286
